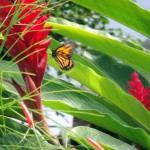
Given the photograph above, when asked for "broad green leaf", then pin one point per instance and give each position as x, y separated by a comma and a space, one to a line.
99, 112
79, 134
13, 141
57, 90
111, 91
124, 11
15, 135
136, 135
103, 42
93, 109
106, 66
111, 68
10, 107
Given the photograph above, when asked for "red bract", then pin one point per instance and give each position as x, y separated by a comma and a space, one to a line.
26, 43
138, 91
26, 38
27, 115
94, 144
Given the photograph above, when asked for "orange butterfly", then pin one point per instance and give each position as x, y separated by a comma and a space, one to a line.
63, 55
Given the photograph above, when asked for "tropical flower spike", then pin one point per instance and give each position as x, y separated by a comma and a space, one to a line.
137, 89
26, 43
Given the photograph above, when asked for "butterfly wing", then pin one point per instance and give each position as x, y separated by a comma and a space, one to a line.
66, 50
65, 64
63, 54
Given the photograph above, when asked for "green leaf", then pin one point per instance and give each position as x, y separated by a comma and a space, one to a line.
81, 104
111, 68
102, 42
14, 135
11, 108
134, 134
111, 91
124, 11
79, 134
1, 37
98, 111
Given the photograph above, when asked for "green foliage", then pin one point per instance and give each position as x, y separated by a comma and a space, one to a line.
73, 12
15, 135
103, 68
124, 11
109, 143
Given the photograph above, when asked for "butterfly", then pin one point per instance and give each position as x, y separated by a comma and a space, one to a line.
63, 55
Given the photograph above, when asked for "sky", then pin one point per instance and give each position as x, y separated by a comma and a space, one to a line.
144, 3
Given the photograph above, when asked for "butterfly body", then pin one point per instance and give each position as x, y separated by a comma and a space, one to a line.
63, 55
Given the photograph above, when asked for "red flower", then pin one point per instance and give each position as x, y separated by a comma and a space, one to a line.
26, 39
138, 91
26, 43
